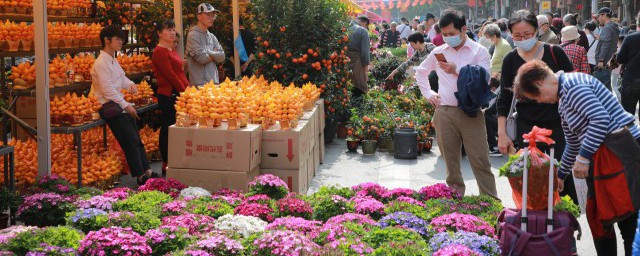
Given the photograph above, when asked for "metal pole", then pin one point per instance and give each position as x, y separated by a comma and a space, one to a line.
236, 32
177, 18
41, 44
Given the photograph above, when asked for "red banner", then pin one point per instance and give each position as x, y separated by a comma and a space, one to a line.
382, 6
391, 5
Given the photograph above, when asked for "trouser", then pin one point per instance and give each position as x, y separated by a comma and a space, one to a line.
558, 136
167, 118
358, 76
455, 129
492, 130
125, 129
630, 98
357, 98
615, 85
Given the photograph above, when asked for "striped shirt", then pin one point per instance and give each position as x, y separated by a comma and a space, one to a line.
589, 112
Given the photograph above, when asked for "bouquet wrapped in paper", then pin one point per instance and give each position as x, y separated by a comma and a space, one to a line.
538, 164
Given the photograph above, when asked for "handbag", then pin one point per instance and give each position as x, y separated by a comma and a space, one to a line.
512, 127
110, 110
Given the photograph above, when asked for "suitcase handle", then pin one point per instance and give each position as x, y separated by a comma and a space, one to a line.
525, 187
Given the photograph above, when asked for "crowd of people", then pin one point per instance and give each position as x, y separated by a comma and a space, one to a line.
581, 80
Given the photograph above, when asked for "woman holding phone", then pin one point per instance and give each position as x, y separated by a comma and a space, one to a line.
108, 81
524, 30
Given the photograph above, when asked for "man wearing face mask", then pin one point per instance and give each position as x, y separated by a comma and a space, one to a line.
452, 124
545, 34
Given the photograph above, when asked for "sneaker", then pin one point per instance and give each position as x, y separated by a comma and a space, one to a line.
494, 153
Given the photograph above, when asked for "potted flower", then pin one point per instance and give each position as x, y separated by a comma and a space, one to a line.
353, 142
370, 131
44, 209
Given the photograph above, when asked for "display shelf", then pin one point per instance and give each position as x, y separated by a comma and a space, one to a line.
29, 18
69, 88
62, 51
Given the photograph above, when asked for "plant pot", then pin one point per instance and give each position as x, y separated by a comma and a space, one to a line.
428, 145
420, 146
391, 146
330, 130
369, 147
384, 143
343, 131
352, 145
4, 221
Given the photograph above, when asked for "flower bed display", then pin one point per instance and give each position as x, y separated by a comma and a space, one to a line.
332, 221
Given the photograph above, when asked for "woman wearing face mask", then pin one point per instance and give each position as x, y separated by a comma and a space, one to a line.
523, 26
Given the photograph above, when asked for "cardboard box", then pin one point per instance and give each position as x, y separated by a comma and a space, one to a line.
216, 149
213, 180
321, 148
295, 179
320, 116
20, 133
316, 158
286, 150
311, 168
26, 107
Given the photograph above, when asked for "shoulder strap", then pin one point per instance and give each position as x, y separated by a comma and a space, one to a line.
513, 105
553, 55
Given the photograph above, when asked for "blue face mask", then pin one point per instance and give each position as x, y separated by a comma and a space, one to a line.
453, 41
527, 44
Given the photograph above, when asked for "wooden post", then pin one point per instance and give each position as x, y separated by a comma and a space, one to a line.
236, 32
41, 45
177, 18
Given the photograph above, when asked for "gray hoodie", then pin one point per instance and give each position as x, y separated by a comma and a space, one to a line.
608, 44
203, 53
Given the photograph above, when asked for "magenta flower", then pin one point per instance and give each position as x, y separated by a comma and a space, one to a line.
310, 228
456, 250
219, 244
118, 193
114, 241
169, 186
369, 206
259, 199
196, 224
261, 211
462, 222
99, 202
292, 206
37, 202
270, 185
399, 192
437, 191
173, 208
351, 217
374, 190
410, 200
284, 243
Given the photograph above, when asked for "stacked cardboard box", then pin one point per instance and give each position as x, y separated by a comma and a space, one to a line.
214, 158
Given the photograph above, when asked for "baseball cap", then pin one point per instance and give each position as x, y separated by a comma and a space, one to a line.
429, 16
206, 7
604, 10
569, 33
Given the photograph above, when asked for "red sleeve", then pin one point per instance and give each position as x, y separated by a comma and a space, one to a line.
163, 61
585, 62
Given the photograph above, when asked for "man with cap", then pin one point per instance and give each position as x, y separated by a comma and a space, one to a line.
545, 34
576, 53
608, 44
429, 22
358, 52
204, 51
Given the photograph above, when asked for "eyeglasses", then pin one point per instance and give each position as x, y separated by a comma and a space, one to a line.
518, 37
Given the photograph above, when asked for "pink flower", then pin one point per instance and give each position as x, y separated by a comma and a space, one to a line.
369, 206
118, 193
284, 243
437, 191
256, 210
174, 208
170, 186
462, 222
196, 223
374, 190
310, 228
294, 207
410, 200
456, 250
114, 241
399, 192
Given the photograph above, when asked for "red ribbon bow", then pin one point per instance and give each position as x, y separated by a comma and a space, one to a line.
537, 134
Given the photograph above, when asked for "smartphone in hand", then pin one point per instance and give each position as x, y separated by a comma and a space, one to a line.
440, 57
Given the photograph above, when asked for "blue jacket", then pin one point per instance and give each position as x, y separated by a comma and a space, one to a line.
473, 89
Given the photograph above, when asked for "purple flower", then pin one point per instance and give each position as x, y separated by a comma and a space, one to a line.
310, 228
219, 244
284, 243
437, 191
99, 202
174, 208
46, 250
256, 210
196, 224
196, 253
114, 241
36, 202
374, 190
11, 232
456, 250
406, 220
462, 222
483, 245
351, 217
410, 200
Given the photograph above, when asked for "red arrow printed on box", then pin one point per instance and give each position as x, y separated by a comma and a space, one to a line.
290, 154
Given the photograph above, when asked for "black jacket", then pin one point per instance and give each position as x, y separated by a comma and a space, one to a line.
473, 89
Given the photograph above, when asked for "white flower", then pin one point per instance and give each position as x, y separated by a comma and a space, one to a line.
240, 224
194, 192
